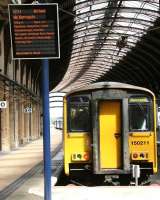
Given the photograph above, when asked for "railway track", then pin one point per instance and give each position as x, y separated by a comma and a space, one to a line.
57, 165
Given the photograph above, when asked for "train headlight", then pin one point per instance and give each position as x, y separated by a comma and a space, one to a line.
79, 156
139, 155
142, 155
84, 156
135, 155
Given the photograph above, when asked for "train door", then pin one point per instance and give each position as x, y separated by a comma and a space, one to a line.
110, 134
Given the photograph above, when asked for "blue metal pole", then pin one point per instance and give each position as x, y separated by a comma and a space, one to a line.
46, 130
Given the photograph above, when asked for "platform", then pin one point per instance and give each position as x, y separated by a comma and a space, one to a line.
91, 193
15, 164
33, 189
104, 193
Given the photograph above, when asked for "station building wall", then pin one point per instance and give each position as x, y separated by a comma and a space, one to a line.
19, 86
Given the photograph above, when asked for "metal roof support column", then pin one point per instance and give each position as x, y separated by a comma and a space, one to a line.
46, 130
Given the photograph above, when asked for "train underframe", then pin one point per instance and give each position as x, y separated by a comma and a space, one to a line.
84, 173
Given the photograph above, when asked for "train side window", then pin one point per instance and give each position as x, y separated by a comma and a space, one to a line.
140, 110
79, 114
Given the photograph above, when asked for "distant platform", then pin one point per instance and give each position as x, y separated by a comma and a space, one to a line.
17, 163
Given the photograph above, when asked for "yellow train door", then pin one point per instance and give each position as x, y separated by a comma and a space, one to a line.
110, 134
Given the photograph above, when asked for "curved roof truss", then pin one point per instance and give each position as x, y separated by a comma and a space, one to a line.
104, 33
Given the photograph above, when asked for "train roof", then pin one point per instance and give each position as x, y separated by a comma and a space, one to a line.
109, 85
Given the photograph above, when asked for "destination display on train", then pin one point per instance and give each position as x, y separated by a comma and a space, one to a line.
34, 31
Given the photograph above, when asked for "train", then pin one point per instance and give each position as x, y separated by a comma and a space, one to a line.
109, 128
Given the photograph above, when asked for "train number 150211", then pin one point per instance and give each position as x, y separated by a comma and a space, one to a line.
140, 142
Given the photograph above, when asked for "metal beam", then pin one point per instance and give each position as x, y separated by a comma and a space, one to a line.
151, 13
143, 22
84, 4
66, 40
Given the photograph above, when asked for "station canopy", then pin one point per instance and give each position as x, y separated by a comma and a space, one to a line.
106, 34
104, 40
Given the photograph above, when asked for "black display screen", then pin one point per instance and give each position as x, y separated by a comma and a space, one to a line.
34, 31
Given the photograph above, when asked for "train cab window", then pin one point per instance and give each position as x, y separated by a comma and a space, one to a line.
79, 117
140, 109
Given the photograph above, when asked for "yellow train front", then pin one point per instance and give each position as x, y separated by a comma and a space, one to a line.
109, 128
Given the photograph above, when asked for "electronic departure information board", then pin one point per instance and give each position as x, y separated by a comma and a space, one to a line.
34, 31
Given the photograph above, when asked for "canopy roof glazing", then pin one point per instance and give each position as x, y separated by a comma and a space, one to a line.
104, 32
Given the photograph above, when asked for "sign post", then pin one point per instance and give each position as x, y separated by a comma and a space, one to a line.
46, 130
35, 35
